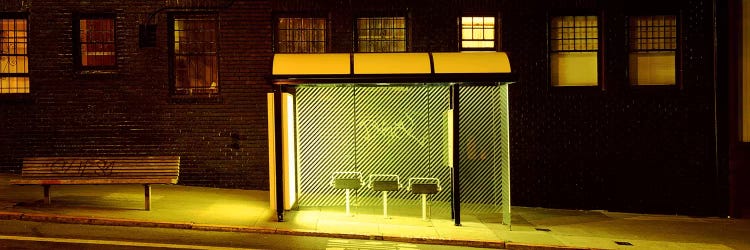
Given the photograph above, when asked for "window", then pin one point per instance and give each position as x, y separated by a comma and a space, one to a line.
381, 34
478, 33
301, 35
14, 57
653, 50
95, 41
574, 51
194, 54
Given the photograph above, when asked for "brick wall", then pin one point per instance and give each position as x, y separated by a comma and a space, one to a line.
612, 147
130, 112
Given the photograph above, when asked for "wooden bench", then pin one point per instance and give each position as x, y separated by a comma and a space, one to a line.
145, 170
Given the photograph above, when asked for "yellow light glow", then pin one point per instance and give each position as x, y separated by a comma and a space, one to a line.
574, 69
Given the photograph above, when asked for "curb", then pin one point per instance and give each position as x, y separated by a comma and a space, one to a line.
53, 218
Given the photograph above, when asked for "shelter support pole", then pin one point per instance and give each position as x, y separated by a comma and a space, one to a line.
455, 187
279, 155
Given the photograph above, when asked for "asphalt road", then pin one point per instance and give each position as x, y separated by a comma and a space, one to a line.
37, 235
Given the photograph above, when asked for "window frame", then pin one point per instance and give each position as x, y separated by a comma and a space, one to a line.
599, 51
678, 49
23, 95
497, 45
171, 16
389, 14
327, 29
77, 44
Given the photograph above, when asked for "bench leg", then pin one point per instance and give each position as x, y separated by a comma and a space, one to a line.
47, 199
147, 192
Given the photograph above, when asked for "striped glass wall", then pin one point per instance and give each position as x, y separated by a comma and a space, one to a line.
400, 131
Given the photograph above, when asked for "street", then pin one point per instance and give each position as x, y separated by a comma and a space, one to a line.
37, 235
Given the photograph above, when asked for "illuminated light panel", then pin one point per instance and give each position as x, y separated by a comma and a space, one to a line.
391, 63
290, 155
311, 64
478, 62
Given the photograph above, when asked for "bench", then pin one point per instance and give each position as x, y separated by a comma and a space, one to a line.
145, 170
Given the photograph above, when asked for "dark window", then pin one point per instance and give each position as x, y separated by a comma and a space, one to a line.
653, 50
574, 51
381, 34
194, 60
478, 33
14, 67
95, 41
301, 35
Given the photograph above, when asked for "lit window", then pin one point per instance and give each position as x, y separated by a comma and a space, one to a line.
653, 50
195, 65
14, 66
574, 51
478, 33
96, 41
381, 34
301, 35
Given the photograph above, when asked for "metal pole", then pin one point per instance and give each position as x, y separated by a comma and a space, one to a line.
455, 188
385, 204
424, 206
147, 192
279, 153
348, 213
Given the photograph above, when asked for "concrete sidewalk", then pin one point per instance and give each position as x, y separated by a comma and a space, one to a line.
198, 208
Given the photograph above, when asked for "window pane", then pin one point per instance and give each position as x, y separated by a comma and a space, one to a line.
195, 64
653, 49
656, 68
301, 35
381, 34
478, 32
574, 33
97, 42
14, 85
13, 57
574, 69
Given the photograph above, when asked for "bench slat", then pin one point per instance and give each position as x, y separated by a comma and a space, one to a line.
99, 170
92, 181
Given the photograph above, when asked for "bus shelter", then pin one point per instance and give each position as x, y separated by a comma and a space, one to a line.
403, 134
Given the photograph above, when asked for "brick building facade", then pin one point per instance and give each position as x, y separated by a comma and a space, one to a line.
612, 146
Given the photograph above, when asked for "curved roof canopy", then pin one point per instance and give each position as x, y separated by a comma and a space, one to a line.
437, 67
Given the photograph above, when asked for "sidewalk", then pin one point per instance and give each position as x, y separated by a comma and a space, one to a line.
198, 208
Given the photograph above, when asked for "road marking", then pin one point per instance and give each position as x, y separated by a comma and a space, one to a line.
115, 243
